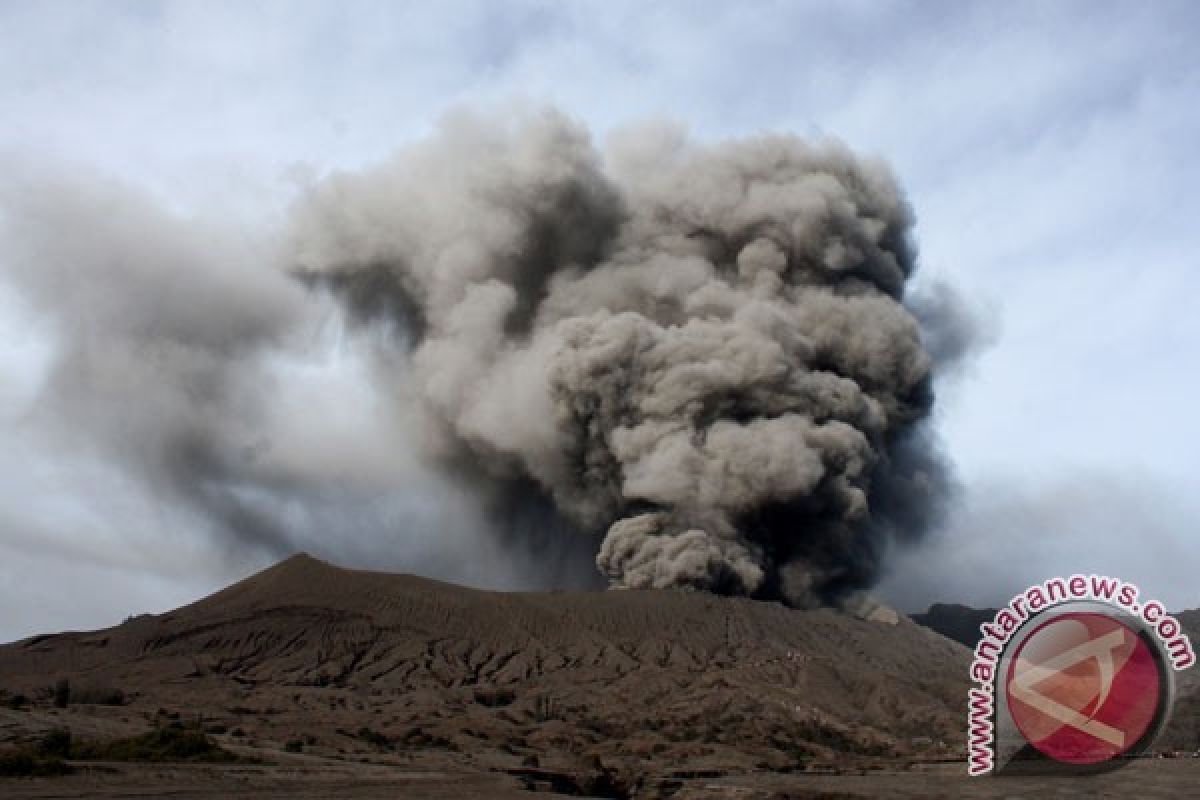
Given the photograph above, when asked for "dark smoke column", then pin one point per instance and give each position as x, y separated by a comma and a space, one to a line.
703, 351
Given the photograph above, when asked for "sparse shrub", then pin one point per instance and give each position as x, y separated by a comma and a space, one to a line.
294, 746
162, 744
374, 738
16, 763
546, 709
23, 763
45, 759
238, 732
495, 698
56, 743
16, 701
97, 696
419, 737
606, 728
62, 693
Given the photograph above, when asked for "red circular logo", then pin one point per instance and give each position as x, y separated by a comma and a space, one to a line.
1083, 688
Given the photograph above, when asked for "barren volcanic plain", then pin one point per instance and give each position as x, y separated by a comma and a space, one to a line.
317, 681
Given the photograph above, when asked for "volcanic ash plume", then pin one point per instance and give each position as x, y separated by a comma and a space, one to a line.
703, 351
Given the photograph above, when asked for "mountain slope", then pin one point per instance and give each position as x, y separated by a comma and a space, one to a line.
650, 681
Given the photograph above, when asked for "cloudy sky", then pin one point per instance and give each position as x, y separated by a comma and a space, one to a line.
1047, 148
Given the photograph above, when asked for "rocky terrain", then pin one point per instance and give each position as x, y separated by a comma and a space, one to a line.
310, 676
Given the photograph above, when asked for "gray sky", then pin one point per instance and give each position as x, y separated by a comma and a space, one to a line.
1048, 149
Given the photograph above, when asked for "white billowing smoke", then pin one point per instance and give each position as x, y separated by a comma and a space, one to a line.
703, 354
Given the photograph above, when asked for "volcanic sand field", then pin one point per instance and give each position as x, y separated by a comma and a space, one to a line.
329, 682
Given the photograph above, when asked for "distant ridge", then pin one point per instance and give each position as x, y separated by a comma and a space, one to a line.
961, 623
958, 622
